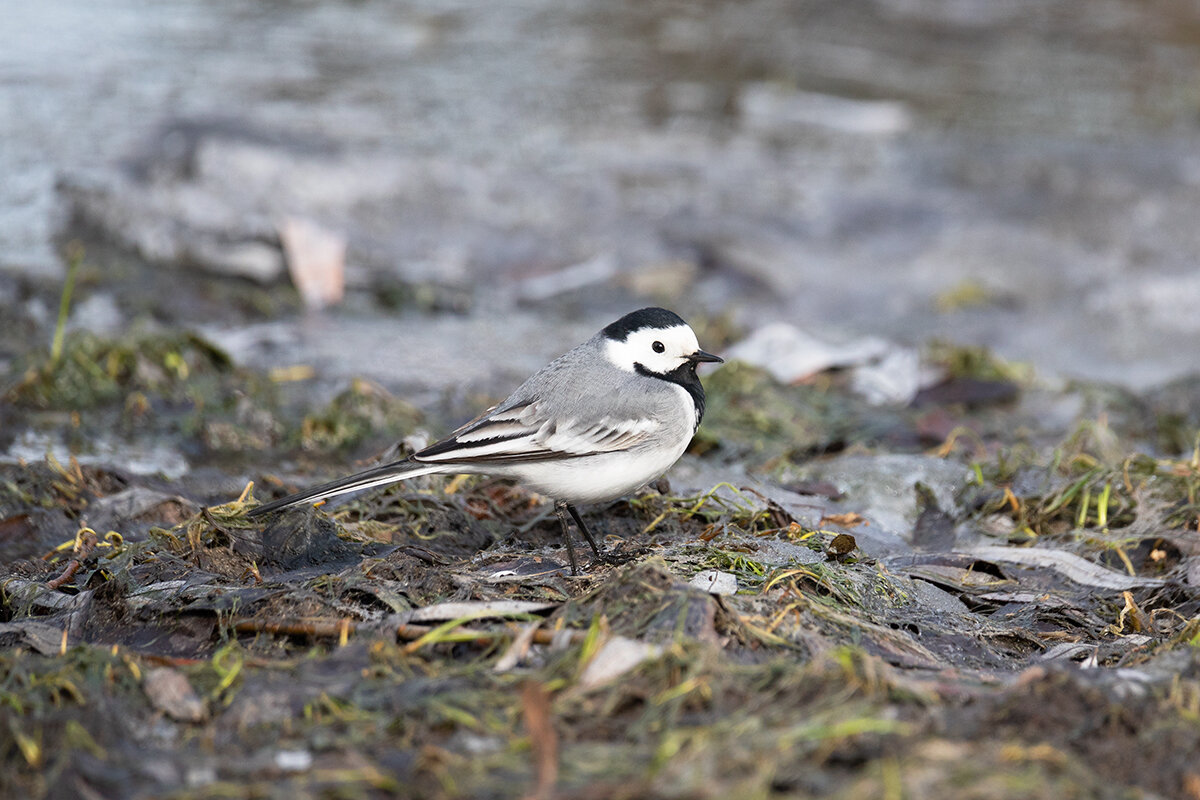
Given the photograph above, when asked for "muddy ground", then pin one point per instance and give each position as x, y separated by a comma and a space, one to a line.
992, 591
986, 586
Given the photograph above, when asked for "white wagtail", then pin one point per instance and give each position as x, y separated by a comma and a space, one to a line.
594, 424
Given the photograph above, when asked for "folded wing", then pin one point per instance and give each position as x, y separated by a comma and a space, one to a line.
521, 432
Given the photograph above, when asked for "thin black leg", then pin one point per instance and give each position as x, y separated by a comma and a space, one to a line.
584, 530
560, 508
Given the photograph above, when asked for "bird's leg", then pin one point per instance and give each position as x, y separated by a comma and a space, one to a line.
584, 530
560, 508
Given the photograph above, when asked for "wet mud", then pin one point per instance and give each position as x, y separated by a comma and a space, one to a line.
1016, 615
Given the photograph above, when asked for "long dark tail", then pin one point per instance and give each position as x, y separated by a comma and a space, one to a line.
376, 476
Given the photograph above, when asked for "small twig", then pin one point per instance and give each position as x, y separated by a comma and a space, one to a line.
424, 554
339, 628
535, 707
85, 542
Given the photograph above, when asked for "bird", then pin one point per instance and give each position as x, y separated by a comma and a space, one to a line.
601, 420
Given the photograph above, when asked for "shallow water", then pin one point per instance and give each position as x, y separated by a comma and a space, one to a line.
1024, 177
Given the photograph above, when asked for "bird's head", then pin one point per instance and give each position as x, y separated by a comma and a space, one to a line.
653, 341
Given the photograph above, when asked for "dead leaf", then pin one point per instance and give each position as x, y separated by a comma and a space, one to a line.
316, 260
1066, 564
850, 519
519, 648
616, 657
40, 637
535, 707
171, 693
1132, 614
478, 609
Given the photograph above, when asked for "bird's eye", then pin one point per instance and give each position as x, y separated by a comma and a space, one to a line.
658, 347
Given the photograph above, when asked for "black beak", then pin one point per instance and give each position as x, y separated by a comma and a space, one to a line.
700, 355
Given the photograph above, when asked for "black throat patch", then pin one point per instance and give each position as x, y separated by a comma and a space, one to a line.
684, 375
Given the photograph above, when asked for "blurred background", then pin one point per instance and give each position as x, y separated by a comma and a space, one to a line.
384, 214
500, 179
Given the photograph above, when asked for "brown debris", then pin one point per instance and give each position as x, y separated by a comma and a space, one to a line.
535, 707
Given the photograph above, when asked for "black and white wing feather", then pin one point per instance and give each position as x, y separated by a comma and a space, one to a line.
516, 433
523, 432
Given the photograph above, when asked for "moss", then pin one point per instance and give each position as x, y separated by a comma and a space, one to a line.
1093, 480
364, 411
91, 371
977, 362
751, 413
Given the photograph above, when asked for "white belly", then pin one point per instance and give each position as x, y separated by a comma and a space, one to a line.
594, 479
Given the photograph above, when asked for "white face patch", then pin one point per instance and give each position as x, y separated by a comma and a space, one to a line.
659, 350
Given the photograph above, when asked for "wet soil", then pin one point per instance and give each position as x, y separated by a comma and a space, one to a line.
1017, 614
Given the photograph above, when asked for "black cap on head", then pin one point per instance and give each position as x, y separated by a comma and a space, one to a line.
643, 318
